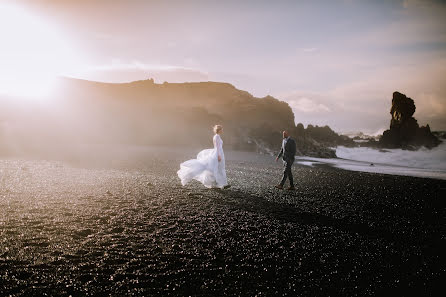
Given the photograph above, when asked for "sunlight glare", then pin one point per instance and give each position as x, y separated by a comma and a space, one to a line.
32, 53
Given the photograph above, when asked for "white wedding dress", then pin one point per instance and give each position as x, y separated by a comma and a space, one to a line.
206, 168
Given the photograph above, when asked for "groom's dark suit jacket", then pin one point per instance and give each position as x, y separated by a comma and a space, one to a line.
288, 151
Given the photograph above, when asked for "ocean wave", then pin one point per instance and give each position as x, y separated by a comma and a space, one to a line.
423, 158
422, 163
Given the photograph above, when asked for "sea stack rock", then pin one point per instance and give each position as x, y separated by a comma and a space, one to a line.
404, 130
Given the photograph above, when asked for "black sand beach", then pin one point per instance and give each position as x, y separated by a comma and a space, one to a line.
128, 228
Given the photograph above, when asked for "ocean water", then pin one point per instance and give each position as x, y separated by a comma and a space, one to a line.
421, 163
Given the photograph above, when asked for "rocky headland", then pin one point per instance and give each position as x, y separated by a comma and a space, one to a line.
404, 130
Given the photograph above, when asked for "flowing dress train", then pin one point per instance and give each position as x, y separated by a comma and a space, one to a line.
206, 168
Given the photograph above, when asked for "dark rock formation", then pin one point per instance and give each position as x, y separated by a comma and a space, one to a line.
404, 130
440, 134
315, 141
327, 136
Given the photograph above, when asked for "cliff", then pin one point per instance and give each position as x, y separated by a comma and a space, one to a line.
168, 114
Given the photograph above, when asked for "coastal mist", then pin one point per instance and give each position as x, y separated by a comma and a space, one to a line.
84, 119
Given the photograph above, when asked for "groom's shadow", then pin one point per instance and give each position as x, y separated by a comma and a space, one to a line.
291, 213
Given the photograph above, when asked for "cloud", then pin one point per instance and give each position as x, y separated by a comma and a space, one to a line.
119, 71
364, 104
340, 70
328, 108
306, 105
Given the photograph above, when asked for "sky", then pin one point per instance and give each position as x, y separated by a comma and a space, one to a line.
336, 62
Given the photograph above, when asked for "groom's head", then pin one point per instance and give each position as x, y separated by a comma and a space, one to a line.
285, 134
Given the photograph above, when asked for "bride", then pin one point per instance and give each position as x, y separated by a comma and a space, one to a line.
209, 166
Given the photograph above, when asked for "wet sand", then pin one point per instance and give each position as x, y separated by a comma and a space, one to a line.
128, 228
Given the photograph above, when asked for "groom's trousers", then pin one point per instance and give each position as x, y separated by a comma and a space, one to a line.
287, 172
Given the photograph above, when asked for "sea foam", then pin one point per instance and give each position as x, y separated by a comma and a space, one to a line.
420, 163
422, 158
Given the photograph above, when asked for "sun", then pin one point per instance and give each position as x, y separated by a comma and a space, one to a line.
33, 53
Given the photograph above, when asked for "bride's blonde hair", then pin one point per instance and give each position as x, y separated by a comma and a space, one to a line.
217, 128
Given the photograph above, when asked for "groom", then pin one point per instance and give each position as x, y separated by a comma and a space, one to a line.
287, 153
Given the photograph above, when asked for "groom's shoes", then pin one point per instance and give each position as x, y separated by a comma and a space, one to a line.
280, 187
291, 188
